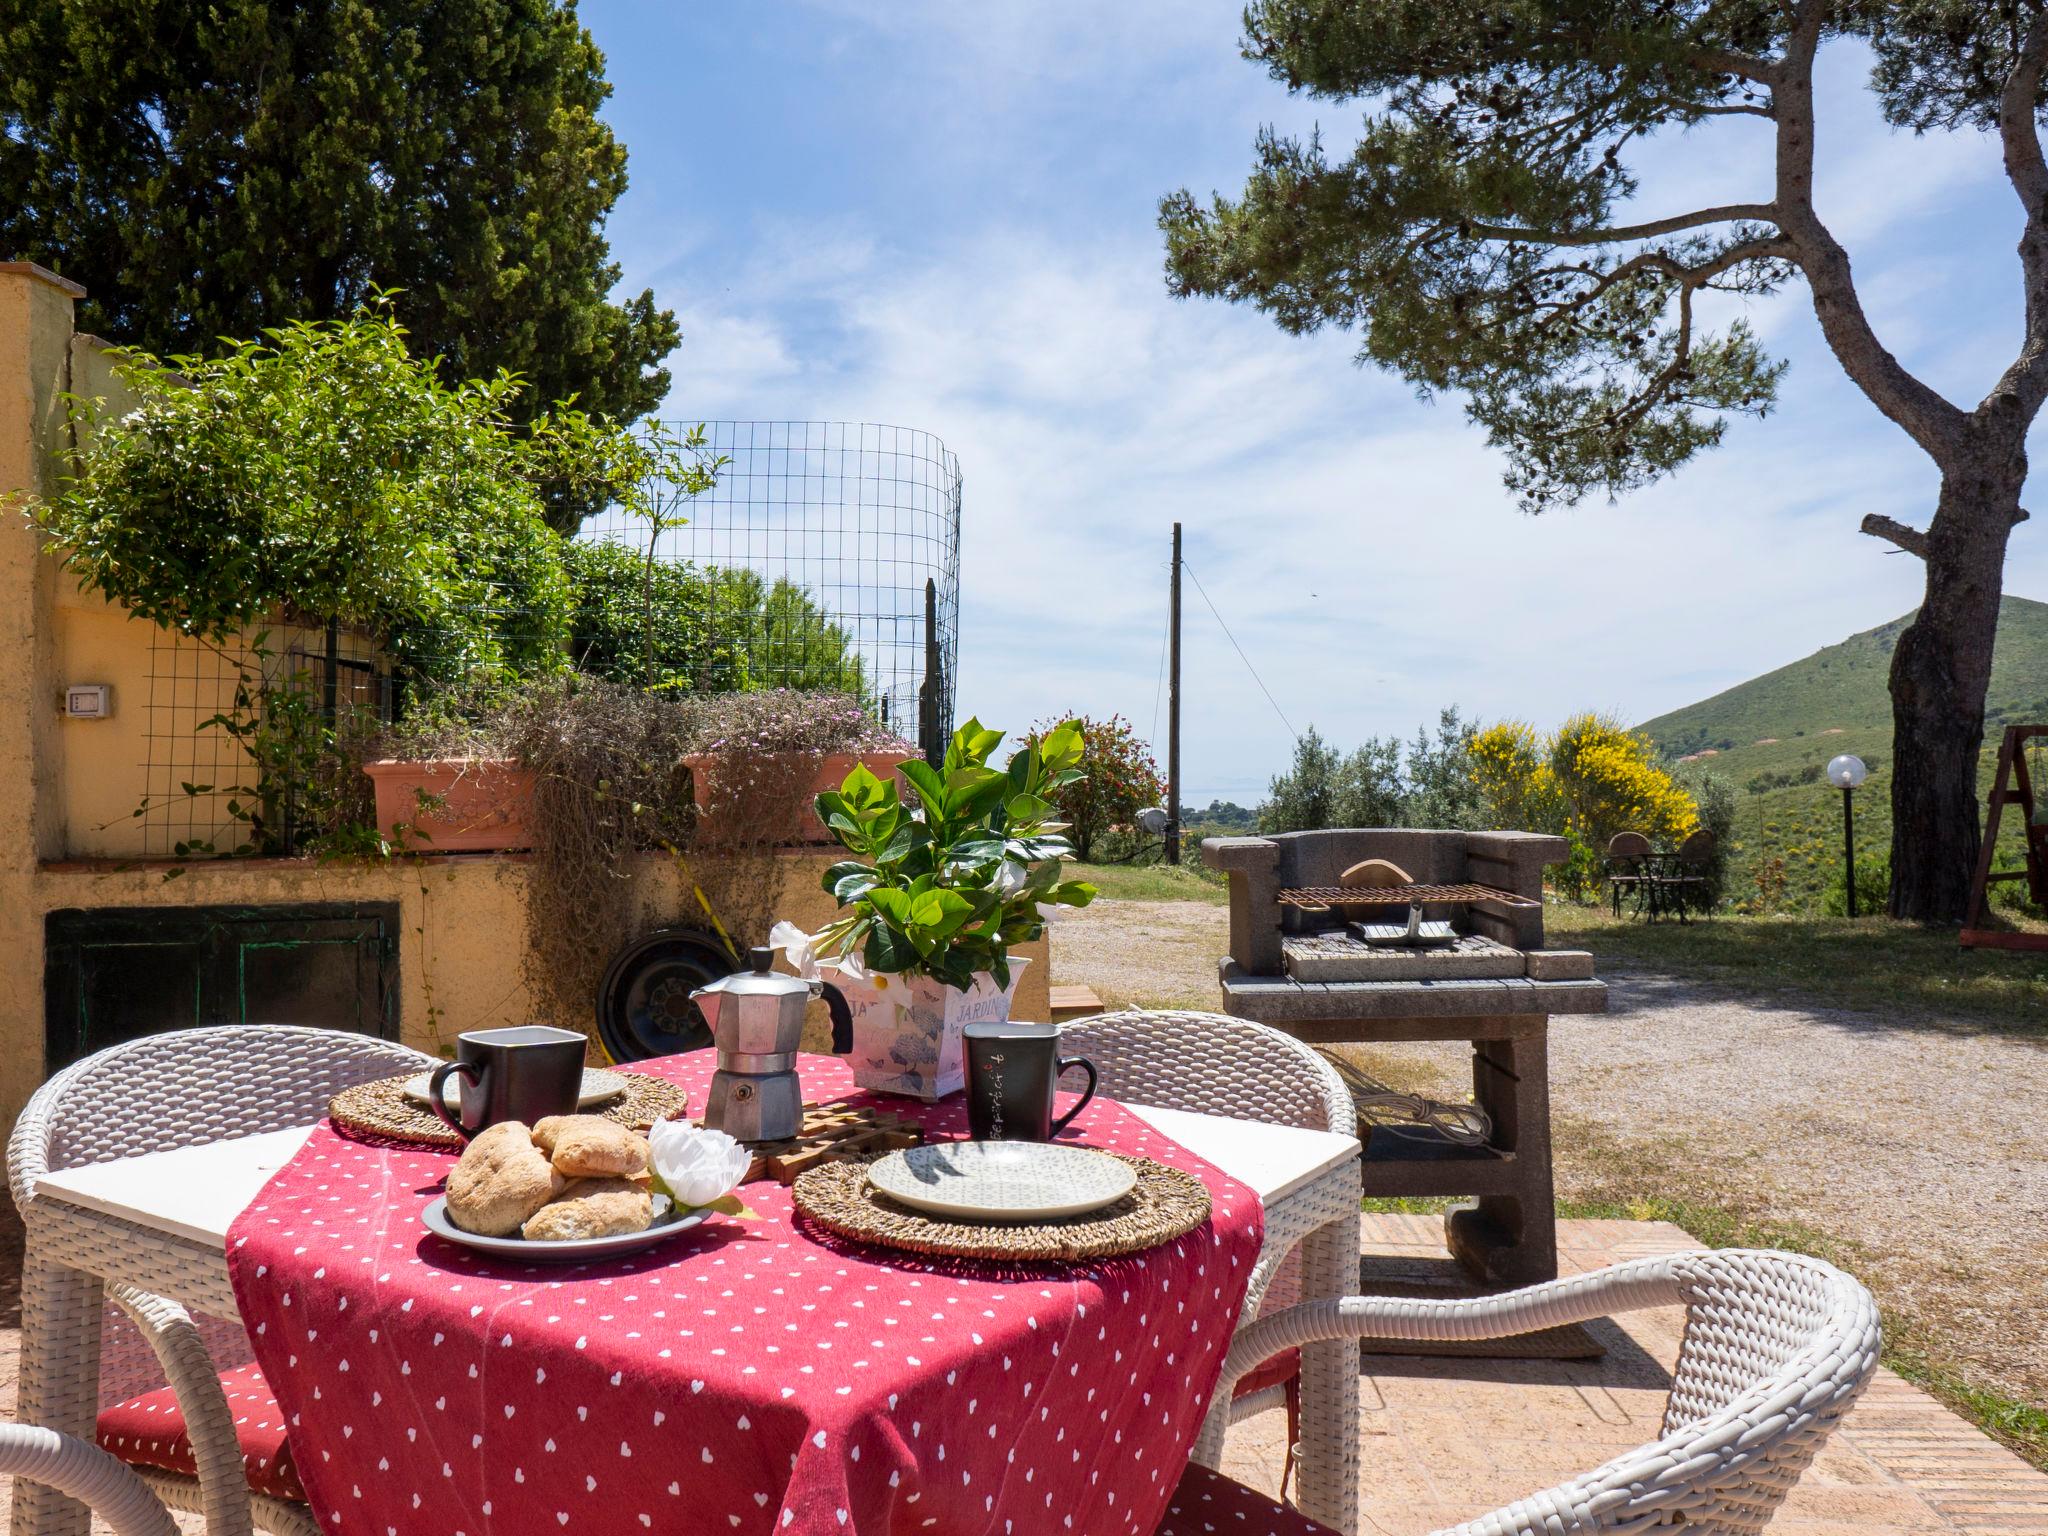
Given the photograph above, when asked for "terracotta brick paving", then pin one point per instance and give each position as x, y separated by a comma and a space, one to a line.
1445, 1440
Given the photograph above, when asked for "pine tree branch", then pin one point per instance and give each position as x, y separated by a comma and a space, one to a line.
2017, 105
1621, 233
2026, 380
1911, 540
1933, 422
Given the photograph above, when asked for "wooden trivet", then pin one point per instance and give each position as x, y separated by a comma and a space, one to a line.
1166, 1204
831, 1132
380, 1112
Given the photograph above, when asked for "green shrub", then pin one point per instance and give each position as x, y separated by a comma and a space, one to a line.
715, 629
325, 471
1117, 780
1873, 886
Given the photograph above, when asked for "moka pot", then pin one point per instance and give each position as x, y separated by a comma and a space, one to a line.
757, 1019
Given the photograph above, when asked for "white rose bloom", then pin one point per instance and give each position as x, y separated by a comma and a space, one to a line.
698, 1166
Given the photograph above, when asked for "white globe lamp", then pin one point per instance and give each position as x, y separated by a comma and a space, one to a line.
1845, 773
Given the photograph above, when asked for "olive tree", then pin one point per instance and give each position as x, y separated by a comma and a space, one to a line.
1482, 237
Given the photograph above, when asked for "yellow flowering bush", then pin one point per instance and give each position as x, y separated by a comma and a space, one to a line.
1589, 780
1613, 783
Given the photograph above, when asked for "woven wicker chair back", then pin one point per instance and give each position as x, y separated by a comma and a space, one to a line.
1751, 1318
180, 1089
1211, 1064
189, 1086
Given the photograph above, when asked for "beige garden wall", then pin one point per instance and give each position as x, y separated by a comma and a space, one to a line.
68, 787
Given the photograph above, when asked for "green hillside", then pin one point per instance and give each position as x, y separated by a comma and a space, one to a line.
1771, 737
1844, 688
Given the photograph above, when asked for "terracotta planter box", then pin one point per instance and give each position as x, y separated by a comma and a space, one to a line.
799, 823
481, 806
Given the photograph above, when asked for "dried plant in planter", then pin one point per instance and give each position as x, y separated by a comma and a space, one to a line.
611, 782
608, 782
765, 748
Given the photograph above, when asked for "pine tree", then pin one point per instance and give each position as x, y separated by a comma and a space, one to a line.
1482, 237
212, 169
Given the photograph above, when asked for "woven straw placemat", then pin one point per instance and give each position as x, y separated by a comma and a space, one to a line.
380, 1111
1166, 1204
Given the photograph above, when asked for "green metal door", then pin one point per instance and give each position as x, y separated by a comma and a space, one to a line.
116, 973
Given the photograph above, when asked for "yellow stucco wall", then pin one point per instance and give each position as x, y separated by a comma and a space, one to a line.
68, 787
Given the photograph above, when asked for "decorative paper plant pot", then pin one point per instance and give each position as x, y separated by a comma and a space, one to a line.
474, 805
907, 1031
798, 821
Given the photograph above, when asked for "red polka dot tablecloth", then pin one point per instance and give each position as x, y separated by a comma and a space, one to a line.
751, 1376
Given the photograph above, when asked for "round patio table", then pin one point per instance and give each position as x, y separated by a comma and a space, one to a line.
763, 1374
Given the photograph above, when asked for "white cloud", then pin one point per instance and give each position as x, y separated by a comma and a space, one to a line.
1359, 543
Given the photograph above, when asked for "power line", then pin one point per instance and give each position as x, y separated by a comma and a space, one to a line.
1240, 651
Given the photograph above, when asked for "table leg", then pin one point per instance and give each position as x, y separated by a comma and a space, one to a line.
1328, 1489
60, 1379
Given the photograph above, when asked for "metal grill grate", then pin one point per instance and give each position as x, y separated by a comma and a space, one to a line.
1467, 894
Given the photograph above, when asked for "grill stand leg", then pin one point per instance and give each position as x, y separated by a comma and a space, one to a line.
1511, 1239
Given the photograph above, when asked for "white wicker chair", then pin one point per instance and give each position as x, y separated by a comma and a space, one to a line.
86, 1473
1213, 1064
1777, 1347
161, 1092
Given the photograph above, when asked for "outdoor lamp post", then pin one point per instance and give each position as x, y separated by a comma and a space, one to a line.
1845, 773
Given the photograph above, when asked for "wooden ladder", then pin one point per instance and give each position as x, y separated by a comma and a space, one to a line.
2013, 786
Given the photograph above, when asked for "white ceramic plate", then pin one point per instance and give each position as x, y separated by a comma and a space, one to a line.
599, 1087
1003, 1180
573, 1251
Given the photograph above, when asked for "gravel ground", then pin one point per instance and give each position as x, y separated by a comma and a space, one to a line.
1904, 1141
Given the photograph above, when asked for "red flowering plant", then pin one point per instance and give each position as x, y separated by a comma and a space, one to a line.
1118, 780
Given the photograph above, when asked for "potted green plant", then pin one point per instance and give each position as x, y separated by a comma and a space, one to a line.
944, 879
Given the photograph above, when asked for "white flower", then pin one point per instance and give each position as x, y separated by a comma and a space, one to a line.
802, 948
698, 1166
1011, 877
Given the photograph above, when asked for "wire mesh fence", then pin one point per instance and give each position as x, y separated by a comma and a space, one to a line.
199, 794
826, 557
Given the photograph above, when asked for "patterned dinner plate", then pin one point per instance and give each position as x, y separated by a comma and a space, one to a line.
599, 1087
573, 1250
1003, 1180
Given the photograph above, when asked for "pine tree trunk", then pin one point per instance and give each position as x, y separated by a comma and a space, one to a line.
1940, 674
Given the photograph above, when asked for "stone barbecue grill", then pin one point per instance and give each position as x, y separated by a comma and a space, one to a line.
1297, 963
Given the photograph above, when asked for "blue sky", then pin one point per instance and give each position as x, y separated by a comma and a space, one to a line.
941, 216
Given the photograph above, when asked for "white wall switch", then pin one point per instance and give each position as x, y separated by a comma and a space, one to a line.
89, 701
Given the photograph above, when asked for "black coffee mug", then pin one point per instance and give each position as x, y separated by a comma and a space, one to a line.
1012, 1073
526, 1072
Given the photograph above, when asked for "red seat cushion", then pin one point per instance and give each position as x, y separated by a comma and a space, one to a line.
1208, 1502
149, 1431
1276, 1372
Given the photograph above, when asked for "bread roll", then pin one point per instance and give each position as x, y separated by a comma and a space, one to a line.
501, 1180
592, 1208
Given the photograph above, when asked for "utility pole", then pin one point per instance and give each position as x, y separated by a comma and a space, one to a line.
1173, 712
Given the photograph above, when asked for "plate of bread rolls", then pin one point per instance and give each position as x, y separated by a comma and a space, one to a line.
565, 1189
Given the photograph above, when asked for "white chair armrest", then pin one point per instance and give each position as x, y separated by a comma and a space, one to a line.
1627, 1287
86, 1473
189, 1368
